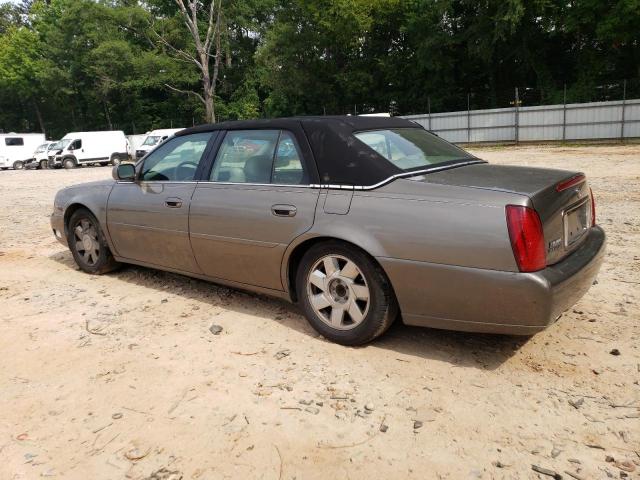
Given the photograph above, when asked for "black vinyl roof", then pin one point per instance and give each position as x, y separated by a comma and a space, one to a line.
341, 158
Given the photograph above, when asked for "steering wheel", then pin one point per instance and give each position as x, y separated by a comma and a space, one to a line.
185, 170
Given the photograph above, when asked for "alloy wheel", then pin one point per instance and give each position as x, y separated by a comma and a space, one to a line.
87, 244
338, 292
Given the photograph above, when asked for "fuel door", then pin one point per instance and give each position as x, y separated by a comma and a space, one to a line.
338, 201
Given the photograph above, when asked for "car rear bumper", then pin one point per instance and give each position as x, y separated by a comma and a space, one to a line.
478, 300
57, 225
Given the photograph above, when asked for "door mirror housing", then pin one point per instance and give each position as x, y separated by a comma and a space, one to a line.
124, 172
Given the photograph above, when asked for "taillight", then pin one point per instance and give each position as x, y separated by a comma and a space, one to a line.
593, 208
527, 238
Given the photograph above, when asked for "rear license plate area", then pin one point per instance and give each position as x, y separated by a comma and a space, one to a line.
576, 222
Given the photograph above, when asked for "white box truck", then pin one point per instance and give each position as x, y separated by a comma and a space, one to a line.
153, 139
78, 148
17, 148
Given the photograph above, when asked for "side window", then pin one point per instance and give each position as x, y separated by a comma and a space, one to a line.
176, 160
245, 156
77, 144
287, 168
14, 141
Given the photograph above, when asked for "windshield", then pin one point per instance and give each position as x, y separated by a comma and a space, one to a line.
151, 141
412, 148
63, 143
53, 146
41, 148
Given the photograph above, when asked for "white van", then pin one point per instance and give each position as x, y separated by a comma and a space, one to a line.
17, 148
77, 148
41, 156
153, 139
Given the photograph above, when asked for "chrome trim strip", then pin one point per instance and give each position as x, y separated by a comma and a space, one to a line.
396, 176
210, 182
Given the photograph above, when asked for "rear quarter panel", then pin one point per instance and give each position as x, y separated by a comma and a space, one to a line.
428, 223
445, 249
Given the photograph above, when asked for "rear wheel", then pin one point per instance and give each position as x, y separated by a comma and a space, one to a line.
345, 295
115, 159
18, 165
88, 245
69, 163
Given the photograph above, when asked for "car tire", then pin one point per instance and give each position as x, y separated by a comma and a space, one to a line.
115, 160
88, 245
18, 165
345, 294
104, 164
69, 163
43, 164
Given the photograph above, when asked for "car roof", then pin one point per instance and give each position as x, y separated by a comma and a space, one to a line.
353, 123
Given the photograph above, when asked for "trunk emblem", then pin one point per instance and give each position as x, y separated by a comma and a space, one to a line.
554, 245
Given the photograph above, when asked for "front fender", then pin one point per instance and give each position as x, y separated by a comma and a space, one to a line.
92, 196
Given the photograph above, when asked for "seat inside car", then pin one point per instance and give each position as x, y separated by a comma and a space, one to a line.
257, 169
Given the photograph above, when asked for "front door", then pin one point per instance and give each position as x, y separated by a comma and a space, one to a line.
148, 220
256, 201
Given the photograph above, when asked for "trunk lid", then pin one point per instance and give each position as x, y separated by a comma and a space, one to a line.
565, 213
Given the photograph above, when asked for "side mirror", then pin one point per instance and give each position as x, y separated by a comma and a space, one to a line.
124, 172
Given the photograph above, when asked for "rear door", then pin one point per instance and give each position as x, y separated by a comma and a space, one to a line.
254, 202
148, 220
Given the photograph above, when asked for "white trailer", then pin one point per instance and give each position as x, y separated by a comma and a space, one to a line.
17, 148
153, 139
78, 148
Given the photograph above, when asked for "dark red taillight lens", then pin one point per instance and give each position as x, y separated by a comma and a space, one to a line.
527, 238
593, 208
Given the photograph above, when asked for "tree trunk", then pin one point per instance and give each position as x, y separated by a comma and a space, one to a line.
39, 115
108, 117
209, 116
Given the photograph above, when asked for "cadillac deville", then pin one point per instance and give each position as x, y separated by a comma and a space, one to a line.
359, 220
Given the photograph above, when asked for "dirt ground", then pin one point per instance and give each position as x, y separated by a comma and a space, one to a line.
118, 376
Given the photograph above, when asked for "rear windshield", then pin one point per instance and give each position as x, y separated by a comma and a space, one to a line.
412, 148
151, 141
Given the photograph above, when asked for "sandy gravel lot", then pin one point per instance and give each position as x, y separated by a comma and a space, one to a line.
119, 377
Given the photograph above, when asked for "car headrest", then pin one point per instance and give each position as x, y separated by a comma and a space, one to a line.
257, 169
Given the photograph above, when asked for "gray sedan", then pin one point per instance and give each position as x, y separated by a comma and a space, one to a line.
360, 220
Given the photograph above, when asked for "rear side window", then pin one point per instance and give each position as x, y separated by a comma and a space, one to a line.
176, 160
259, 156
411, 148
14, 141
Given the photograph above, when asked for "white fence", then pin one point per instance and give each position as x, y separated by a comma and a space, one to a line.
576, 121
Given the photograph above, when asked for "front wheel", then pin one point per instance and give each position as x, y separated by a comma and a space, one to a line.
69, 163
88, 245
345, 295
43, 164
18, 165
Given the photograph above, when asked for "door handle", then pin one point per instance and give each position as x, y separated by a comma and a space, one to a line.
173, 202
284, 210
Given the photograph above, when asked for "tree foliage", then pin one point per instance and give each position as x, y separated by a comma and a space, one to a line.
97, 64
